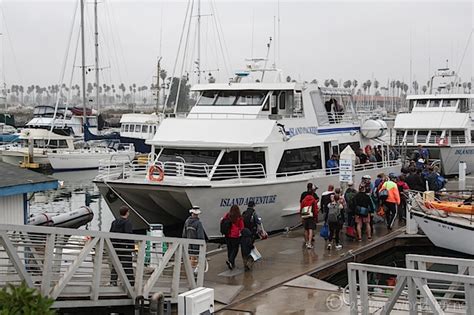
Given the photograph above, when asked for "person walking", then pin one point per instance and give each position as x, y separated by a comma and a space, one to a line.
389, 192
362, 204
123, 247
193, 229
232, 219
350, 209
335, 220
326, 198
246, 246
251, 220
309, 215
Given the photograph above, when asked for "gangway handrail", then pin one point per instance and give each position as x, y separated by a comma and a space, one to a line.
75, 267
408, 283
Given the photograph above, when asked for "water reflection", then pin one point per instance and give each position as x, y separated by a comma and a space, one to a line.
78, 190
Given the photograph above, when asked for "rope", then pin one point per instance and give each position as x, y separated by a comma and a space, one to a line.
464, 54
220, 37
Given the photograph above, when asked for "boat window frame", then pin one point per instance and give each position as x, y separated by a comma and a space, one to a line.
284, 170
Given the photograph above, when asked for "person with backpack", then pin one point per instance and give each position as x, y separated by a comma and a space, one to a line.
309, 215
232, 225
326, 198
362, 204
193, 229
390, 196
403, 191
251, 220
335, 220
350, 209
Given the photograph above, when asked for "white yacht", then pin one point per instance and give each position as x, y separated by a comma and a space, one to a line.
42, 141
91, 158
138, 128
241, 141
68, 121
443, 123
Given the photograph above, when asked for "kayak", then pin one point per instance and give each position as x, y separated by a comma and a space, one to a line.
451, 206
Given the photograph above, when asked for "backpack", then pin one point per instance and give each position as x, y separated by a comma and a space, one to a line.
306, 207
226, 224
249, 220
349, 197
383, 194
334, 213
440, 182
362, 211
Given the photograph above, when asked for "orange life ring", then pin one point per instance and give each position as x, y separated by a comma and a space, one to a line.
151, 173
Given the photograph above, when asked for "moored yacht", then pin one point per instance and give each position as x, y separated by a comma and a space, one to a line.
138, 128
42, 142
443, 123
240, 142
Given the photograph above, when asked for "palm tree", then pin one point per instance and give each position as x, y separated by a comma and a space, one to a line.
288, 79
347, 84
397, 84
415, 86
469, 86
424, 89
326, 83
314, 81
369, 83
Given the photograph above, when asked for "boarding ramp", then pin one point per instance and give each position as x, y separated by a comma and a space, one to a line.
74, 267
420, 288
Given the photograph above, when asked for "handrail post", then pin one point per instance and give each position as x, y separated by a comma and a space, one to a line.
353, 297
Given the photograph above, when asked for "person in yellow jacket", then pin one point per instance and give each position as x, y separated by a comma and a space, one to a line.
390, 196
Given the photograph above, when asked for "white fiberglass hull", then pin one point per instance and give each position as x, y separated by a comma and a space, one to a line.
277, 200
454, 233
451, 156
66, 161
17, 156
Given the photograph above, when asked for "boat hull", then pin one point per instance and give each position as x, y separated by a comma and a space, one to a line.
446, 233
15, 157
77, 161
277, 201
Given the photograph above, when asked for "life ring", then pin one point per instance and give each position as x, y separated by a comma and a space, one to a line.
151, 173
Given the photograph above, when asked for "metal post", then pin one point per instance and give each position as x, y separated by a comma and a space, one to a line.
96, 34
198, 63
157, 304
158, 70
462, 175
83, 66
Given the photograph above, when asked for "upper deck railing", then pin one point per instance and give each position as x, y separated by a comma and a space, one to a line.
205, 172
80, 268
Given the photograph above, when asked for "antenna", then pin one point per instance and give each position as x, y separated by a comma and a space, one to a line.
266, 58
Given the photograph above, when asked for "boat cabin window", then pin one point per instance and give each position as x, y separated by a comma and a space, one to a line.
296, 161
232, 98
449, 103
435, 136
138, 128
145, 129
422, 136
354, 146
410, 136
463, 106
472, 136
421, 103
282, 101
190, 156
238, 164
434, 103
399, 136
457, 137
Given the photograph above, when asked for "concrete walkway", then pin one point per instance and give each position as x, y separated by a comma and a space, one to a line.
286, 259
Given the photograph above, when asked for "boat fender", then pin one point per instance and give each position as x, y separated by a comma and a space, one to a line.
151, 173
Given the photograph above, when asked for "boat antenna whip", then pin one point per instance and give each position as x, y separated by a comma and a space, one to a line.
266, 58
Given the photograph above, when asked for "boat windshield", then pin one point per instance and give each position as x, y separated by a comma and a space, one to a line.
189, 156
232, 98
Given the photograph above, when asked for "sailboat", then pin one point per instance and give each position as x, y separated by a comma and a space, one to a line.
90, 157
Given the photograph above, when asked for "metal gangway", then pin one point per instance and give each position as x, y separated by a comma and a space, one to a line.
429, 285
81, 268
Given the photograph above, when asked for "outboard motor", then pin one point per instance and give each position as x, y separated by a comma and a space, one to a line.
73, 219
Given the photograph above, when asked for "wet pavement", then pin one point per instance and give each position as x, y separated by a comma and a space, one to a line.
263, 291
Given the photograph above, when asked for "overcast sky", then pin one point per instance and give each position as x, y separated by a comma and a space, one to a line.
318, 39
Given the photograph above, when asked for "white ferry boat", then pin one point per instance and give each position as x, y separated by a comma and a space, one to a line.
441, 122
240, 142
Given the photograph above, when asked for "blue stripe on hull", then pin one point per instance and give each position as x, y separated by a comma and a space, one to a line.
345, 129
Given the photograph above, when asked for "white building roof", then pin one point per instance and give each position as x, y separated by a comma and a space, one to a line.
223, 133
432, 120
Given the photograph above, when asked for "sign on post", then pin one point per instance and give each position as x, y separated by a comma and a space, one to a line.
345, 170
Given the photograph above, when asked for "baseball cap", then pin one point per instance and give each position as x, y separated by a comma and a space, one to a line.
366, 177
195, 210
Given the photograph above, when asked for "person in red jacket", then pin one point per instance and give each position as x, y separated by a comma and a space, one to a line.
232, 238
309, 215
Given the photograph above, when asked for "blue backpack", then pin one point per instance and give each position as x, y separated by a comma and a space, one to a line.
440, 182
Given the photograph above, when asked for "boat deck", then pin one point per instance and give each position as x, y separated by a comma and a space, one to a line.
265, 289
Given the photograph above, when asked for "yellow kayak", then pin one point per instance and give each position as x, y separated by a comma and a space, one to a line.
451, 206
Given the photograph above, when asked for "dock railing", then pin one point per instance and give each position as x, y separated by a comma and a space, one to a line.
414, 289
80, 268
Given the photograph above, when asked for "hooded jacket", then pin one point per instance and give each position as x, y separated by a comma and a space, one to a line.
393, 194
122, 225
193, 229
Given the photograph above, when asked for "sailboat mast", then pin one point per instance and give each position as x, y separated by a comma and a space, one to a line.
198, 63
96, 34
83, 66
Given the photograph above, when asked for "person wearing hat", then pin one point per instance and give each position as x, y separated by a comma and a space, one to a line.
251, 220
309, 200
349, 195
193, 229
